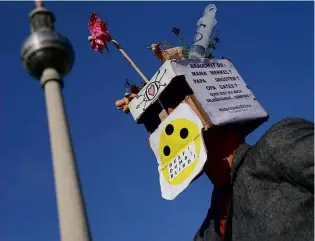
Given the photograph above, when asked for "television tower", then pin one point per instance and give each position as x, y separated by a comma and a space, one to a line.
48, 57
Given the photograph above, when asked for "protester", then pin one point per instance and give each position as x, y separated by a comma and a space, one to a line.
263, 192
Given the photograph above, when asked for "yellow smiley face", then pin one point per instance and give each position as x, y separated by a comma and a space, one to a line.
179, 149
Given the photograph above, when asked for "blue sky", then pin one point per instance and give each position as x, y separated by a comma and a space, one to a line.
270, 43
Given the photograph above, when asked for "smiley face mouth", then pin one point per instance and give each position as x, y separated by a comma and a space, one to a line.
183, 160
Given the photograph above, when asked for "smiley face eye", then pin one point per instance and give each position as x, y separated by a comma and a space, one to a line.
183, 133
169, 129
167, 150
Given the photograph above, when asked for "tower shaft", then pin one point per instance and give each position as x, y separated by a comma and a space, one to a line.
72, 216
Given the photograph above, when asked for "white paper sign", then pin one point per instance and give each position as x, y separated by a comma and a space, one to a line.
220, 90
180, 151
152, 90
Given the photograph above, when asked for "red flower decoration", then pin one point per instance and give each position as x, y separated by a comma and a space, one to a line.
99, 33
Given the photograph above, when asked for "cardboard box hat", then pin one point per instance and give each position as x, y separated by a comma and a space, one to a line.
201, 93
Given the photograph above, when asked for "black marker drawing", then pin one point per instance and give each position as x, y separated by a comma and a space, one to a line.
200, 34
200, 37
151, 90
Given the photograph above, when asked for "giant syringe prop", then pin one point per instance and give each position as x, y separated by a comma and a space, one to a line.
204, 28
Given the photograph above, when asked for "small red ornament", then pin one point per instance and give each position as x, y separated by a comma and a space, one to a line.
134, 89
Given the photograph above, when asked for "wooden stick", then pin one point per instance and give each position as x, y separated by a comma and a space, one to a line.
130, 61
197, 108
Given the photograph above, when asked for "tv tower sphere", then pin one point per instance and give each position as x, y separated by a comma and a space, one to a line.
45, 48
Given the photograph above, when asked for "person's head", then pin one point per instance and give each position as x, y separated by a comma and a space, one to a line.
221, 144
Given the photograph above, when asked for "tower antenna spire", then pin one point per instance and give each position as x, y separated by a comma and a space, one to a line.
38, 3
